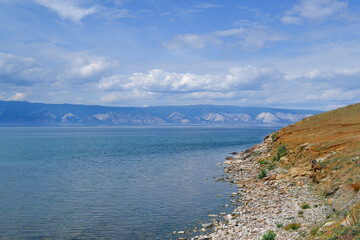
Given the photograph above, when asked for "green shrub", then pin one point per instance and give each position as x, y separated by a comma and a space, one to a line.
271, 166
273, 136
279, 225
305, 206
270, 235
263, 162
262, 174
301, 213
281, 152
314, 231
302, 234
292, 226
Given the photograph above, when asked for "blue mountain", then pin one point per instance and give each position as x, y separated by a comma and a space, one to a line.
40, 114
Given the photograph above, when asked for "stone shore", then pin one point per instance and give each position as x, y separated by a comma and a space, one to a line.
266, 204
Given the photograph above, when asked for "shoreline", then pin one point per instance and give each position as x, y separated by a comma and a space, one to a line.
279, 201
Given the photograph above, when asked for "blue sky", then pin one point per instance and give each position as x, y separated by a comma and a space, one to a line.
291, 54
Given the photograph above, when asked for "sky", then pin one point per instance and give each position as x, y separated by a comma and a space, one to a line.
301, 54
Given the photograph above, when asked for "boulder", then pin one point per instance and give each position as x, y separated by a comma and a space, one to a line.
342, 198
207, 225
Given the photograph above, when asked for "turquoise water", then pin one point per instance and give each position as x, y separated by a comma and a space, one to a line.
113, 183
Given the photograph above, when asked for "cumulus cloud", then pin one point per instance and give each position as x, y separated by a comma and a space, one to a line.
18, 70
251, 77
10, 63
314, 10
334, 94
157, 80
134, 95
86, 67
253, 37
250, 85
160, 81
68, 9
346, 78
72, 68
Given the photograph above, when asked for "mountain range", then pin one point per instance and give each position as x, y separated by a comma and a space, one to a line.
40, 114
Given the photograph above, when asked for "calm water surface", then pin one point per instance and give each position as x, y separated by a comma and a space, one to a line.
113, 183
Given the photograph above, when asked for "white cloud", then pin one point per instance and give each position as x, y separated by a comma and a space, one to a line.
291, 20
157, 80
334, 94
18, 70
134, 95
2, 95
314, 10
206, 5
112, 14
230, 32
345, 78
191, 40
68, 9
18, 97
251, 77
10, 63
85, 67
253, 37
251, 86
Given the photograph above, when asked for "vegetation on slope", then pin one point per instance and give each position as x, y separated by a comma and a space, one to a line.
326, 148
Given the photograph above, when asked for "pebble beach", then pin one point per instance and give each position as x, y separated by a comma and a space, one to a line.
280, 202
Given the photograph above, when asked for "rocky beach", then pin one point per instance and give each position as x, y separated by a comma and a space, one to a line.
282, 201
273, 203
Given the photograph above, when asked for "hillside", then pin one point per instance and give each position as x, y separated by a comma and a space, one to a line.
301, 182
25, 113
332, 139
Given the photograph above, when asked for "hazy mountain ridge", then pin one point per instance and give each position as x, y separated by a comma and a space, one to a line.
25, 113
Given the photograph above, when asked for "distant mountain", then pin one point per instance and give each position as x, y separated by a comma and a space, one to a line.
25, 113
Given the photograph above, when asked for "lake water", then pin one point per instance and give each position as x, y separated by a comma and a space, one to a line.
113, 183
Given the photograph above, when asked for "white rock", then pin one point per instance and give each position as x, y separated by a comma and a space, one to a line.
329, 224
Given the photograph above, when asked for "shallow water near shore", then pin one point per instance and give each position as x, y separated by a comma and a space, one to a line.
113, 183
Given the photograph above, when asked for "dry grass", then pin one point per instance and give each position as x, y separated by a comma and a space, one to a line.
333, 137
333, 140
353, 218
349, 231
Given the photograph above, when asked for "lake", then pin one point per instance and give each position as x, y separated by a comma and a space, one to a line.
114, 182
